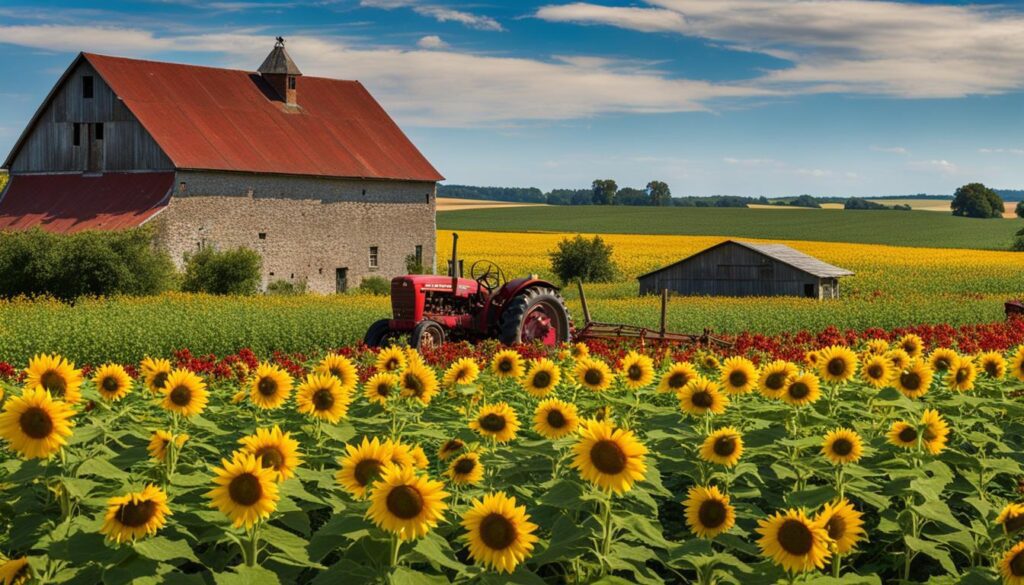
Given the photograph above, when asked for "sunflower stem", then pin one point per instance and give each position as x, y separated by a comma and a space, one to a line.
396, 546
837, 563
606, 523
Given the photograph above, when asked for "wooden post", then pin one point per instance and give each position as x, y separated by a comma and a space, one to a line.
583, 301
664, 306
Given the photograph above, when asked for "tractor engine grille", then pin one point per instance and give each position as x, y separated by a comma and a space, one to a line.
403, 301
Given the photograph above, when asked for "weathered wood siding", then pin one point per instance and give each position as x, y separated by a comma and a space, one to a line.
126, 146
732, 271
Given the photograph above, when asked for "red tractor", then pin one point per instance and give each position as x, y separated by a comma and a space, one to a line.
428, 310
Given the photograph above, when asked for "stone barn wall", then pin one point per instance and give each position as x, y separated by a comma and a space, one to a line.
304, 228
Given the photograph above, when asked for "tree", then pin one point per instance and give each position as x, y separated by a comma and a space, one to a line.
604, 191
805, 201
631, 196
1018, 242
1020, 209
586, 260
977, 200
659, 192
231, 272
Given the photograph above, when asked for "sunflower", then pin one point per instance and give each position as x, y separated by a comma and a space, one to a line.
610, 458
466, 469
275, 450
507, 364
405, 503
135, 515
993, 364
636, 371
1011, 566
499, 533
244, 491
341, 368
413, 357
844, 524
56, 375
709, 362
15, 571
497, 421
401, 453
184, 393
555, 419
794, 541
912, 344
903, 434
934, 431
322, 397
701, 396
738, 375
579, 350
942, 359
801, 390
381, 387
915, 380
842, 446
812, 357
391, 359
593, 374
362, 465
676, 376
542, 378
1011, 518
876, 346
724, 447
708, 512
34, 424
774, 377
838, 364
899, 359
449, 448
271, 386
962, 374
418, 381
876, 371
464, 371
112, 382
1017, 367
160, 440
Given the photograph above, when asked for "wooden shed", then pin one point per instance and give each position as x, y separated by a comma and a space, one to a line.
745, 269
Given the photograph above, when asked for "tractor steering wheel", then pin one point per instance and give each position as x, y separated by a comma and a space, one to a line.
487, 274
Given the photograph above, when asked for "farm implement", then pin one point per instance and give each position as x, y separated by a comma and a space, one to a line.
428, 310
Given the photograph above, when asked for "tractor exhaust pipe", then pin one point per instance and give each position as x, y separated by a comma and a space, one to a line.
455, 264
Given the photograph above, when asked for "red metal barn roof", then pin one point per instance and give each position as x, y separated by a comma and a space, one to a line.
230, 120
72, 203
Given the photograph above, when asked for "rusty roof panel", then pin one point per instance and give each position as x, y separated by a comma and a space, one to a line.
72, 203
229, 120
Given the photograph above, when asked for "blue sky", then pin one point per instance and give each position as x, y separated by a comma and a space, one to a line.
746, 97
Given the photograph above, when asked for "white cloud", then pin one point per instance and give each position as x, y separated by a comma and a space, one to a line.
902, 49
940, 165
891, 149
816, 173
1017, 151
431, 42
749, 162
438, 13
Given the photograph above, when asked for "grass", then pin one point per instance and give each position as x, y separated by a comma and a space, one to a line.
896, 228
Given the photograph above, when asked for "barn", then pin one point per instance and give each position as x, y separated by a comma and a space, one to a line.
744, 269
310, 172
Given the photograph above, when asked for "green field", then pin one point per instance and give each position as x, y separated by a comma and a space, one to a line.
896, 228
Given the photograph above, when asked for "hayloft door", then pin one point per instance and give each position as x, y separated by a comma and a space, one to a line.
95, 161
341, 279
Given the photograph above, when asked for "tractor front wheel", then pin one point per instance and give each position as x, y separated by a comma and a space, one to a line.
377, 333
539, 314
427, 335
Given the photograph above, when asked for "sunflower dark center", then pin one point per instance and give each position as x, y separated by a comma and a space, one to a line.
1014, 523
323, 399
942, 363
1017, 565
452, 446
135, 514
367, 470
337, 373
556, 419
910, 380
875, 371
702, 399
492, 422
593, 376
110, 384
542, 379
271, 457
992, 369
160, 379
712, 513
405, 502
391, 364
267, 386
608, 457
384, 389
461, 375
414, 384
775, 380
842, 447
465, 466
961, 375
54, 382
635, 372
909, 347
908, 434
799, 390
738, 378
837, 366
678, 380
181, 395
795, 538
36, 423
497, 532
505, 365
836, 527
929, 434
725, 446
245, 489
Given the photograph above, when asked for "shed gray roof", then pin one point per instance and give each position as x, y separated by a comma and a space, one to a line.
780, 252
278, 61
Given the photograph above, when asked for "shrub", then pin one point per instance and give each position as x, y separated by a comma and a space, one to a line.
375, 285
1020, 209
89, 263
228, 272
582, 259
286, 287
1018, 242
414, 265
977, 200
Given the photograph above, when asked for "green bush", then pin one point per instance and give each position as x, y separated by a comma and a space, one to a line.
977, 200
90, 263
582, 259
227, 272
285, 287
1018, 242
414, 265
1020, 209
375, 285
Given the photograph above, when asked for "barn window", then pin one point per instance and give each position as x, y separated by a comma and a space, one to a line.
428, 198
76, 138
364, 191
374, 259
98, 132
263, 235
87, 86
291, 82
419, 255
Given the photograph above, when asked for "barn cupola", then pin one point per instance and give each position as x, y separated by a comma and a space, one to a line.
281, 73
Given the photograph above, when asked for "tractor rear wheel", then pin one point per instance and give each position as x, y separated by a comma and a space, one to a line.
539, 314
378, 333
427, 335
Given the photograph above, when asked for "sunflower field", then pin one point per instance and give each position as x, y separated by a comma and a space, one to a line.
879, 460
